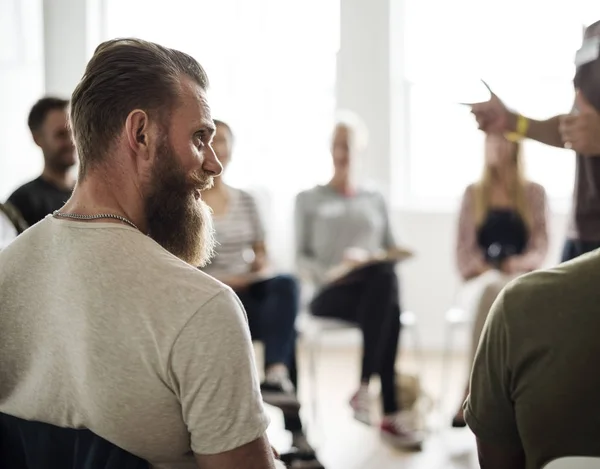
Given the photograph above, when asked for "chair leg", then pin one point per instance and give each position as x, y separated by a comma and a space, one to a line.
446, 364
312, 370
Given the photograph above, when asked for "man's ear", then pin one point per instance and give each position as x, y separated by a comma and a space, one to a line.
137, 128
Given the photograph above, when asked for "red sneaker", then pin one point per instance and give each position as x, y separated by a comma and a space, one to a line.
399, 431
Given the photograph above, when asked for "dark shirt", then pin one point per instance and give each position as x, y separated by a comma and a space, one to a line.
502, 234
38, 198
585, 216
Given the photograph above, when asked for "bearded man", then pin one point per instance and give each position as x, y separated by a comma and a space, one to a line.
115, 350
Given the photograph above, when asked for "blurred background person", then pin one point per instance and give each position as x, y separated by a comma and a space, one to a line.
343, 237
271, 301
11, 224
502, 232
49, 125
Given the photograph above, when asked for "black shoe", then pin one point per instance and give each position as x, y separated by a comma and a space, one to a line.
296, 459
458, 422
278, 395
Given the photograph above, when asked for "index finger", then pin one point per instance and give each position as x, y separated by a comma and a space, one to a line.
481, 102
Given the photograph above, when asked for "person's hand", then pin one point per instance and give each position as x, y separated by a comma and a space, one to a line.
513, 265
259, 264
581, 131
355, 256
492, 116
237, 282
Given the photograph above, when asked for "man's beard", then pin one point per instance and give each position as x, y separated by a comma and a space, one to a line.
178, 221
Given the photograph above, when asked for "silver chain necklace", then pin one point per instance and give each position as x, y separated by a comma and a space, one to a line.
77, 216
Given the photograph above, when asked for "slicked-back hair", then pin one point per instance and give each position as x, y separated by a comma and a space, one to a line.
124, 75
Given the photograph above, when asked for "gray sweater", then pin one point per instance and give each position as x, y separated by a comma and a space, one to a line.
328, 223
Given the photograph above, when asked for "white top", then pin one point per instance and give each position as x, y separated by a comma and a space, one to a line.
8, 232
101, 328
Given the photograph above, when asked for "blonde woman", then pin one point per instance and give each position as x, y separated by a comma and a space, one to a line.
502, 230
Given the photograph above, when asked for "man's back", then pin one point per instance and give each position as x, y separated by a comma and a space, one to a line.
535, 380
103, 329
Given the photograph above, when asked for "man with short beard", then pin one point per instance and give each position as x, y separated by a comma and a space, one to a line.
113, 345
49, 124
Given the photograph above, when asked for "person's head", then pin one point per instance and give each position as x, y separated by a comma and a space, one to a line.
587, 75
500, 153
49, 124
502, 157
140, 116
223, 143
349, 138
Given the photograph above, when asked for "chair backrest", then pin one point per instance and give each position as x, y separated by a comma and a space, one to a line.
575, 462
35, 445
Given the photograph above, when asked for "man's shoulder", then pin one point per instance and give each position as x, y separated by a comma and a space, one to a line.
25, 189
177, 276
543, 291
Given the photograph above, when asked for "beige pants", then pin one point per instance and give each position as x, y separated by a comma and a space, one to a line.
477, 297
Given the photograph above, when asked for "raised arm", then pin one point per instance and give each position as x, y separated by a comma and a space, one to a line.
470, 260
494, 117
544, 131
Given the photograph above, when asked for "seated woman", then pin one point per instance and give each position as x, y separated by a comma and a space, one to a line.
501, 232
343, 233
271, 302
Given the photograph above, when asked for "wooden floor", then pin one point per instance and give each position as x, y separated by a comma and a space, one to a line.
343, 443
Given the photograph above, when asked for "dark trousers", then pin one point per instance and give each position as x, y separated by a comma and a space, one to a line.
574, 248
272, 307
369, 298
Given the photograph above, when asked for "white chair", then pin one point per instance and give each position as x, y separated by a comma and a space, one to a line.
575, 462
314, 330
455, 318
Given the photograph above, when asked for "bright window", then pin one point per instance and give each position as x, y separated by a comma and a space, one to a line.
524, 49
271, 65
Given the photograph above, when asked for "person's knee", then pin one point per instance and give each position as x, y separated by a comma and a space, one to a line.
285, 283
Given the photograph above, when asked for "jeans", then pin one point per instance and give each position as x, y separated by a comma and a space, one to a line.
369, 298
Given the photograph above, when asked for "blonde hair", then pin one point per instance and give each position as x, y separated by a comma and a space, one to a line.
517, 192
356, 127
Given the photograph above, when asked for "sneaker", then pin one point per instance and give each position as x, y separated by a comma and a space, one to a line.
399, 431
280, 392
361, 404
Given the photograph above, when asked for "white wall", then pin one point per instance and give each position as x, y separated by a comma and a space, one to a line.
21, 84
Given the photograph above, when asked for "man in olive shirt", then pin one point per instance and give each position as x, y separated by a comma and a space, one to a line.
579, 131
49, 125
535, 383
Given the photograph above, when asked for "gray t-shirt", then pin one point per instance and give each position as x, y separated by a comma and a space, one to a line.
101, 328
328, 223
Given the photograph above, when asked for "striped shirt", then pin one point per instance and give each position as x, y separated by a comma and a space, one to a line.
236, 232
